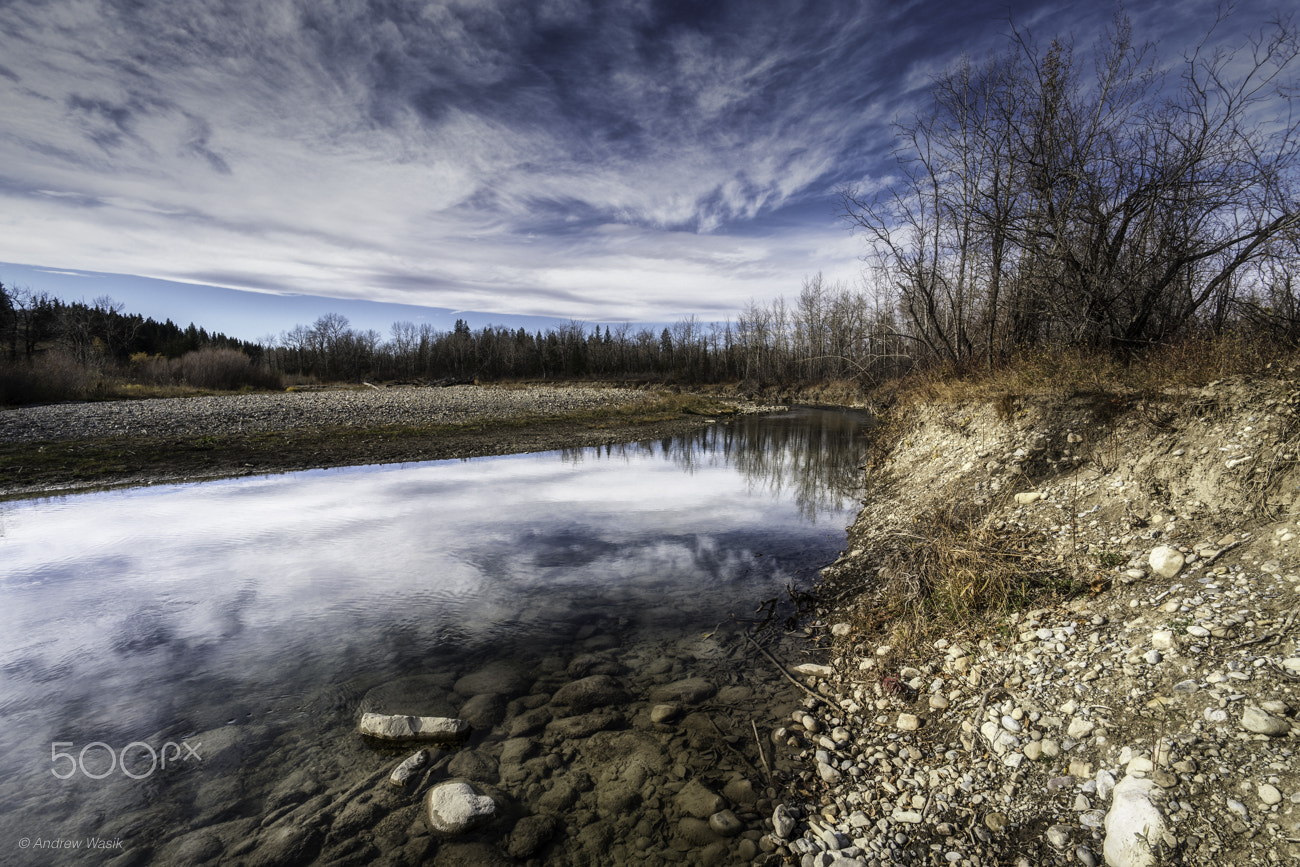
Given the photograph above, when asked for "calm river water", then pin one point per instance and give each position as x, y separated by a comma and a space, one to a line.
182, 667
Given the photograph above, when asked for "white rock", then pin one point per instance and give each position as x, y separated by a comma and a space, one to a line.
1166, 561
1134, 825
908, 722
1028, 498
1080, 728
908, 817
811, 669
394, 727
1269, 794
1139, 765
839, 630
1255, 720
455, 807
1105, 784
402, 774
1162, 639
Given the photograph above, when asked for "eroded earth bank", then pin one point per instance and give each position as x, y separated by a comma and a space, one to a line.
1143, 714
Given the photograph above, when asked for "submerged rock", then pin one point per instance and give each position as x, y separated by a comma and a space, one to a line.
697, 800
531, 833
589, 693
392, 727
402, 774
692, 690
456, 807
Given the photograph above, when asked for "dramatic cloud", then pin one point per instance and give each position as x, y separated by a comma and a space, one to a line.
603, 159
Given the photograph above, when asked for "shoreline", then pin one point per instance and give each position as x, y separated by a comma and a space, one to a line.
71, 448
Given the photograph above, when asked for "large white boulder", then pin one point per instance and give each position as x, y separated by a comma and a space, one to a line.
455, 807
1166, 561
1133, 824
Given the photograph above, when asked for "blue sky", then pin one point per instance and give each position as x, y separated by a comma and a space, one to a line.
599, 160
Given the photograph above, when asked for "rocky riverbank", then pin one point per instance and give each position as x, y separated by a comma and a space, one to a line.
73, 446
1144, 713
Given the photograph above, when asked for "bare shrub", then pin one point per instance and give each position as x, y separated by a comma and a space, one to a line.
222, 370
150, 369
50, 377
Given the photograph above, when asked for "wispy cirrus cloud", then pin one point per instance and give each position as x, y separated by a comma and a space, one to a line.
606, 159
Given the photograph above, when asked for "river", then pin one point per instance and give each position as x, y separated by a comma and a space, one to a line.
182, 667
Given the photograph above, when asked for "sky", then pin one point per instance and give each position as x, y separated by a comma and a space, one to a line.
522, 161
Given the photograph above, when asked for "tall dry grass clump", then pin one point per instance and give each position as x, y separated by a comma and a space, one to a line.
956, 569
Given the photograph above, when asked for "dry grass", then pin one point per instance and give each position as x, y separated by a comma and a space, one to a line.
1192, 362
956, 571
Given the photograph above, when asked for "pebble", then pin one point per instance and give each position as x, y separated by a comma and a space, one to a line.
1269, 794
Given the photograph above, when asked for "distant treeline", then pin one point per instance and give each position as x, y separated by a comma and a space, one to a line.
96, 332
827, 333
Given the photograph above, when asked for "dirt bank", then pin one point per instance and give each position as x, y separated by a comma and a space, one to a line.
1150, 667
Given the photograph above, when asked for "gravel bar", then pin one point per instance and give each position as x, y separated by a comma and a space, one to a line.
256, 413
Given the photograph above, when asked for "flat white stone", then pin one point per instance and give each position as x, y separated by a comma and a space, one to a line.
395, 727
1080, 728
1257, 721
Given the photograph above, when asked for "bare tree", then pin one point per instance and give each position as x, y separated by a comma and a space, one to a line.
1036, 203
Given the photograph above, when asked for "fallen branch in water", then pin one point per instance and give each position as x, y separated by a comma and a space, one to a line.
781, 668
761, 755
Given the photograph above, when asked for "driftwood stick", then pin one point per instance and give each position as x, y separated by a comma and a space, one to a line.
761, 755
781, 668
